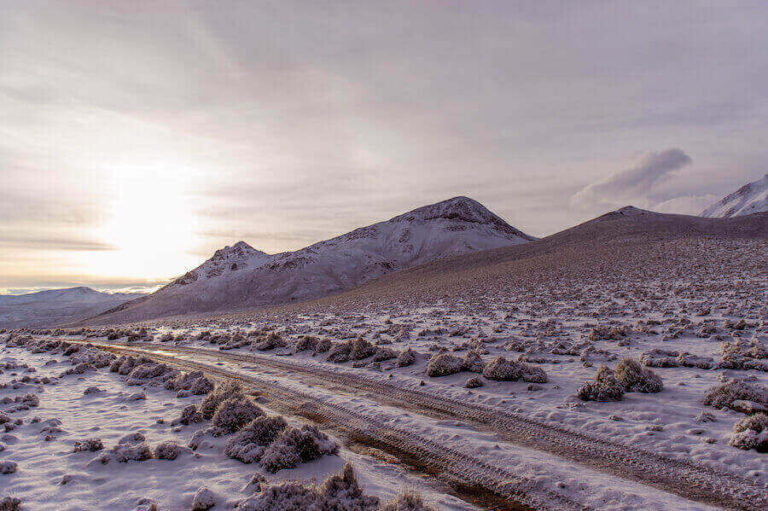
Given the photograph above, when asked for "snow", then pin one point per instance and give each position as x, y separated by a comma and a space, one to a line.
750, 198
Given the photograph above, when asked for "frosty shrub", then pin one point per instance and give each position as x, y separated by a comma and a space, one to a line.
473, 362
474, 382
272, 341
167, 450
406, 358
190, 415
306, 342
195, 382
444, 364
203, 500
323, 346
533, 374
10, 504
123, 453
383, 353
287, 496
295, 446
249, 444
406, 501
636, 378
212, 401
342, 491
340, 352
604, 388
361, 349
91, 390
502, 369
89, 445
723, 396
751, 433
234, 413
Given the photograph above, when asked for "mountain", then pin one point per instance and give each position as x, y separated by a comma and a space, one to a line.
750, 198
240, 276
604, 250
57, 306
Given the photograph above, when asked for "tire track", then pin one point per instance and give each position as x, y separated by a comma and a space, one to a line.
691, 481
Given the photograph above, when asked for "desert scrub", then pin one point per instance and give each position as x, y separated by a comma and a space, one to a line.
194, 382
190, 415
306, 342
605, 387
89, 445
406, 358
168, 450
474, 382
340, 352
212, 401
384, 353
407, 501
234, 413
8, 467
724, 396
361, 349
323, 346
751, 433
203, 500
295, 446
473, 362
272, 341
248, 444
444, 364
10, 504
636, 378
342, 491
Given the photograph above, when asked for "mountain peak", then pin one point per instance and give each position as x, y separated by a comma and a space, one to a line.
750, 198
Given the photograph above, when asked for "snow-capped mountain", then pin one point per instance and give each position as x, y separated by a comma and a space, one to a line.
750, 198
240, 276
56, 306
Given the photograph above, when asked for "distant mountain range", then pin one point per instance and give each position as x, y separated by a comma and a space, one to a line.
56, 306
240, 276
750, 198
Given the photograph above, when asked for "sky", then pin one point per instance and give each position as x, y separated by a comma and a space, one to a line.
138, 137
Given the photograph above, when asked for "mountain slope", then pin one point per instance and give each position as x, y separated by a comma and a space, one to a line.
603, 250
56, 306
240, 277
750, 198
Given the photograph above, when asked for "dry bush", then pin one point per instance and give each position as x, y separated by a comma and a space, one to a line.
168, 450
383, 353
89, 445
751, 433
195, 382
723, 396
501, 369
361, 349
295, 446
248, 444
287, 496
406, 358
235, 412
473, 362
340, 352
444, 364
203, 500
636, 378
306, 342
604, 388
10, 504
474, 382
273, 340
323, 346
212, 401
406, 501
190, 415
8, 467
342, 491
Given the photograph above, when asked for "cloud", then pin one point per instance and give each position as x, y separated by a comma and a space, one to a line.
53, 243
637, 183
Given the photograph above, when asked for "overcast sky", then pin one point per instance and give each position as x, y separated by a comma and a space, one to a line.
138, 137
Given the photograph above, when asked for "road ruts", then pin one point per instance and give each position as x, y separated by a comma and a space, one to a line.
454, 465
691, 481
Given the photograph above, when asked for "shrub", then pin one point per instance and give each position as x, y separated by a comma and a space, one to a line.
604, 388
473, 362
474, 382
294, 446
383, 354
751, 433
272, 341
8, 467
323, 346
340, 352
444, 364
361, 349
407, 501
10, 504
212, 401
248, 444
123, 453
195, 382
89, 445
501, 369
636, 378
167, 450
234, 413
287, 496
306, 342
342, 491
190, 415
724, 395
406, 357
